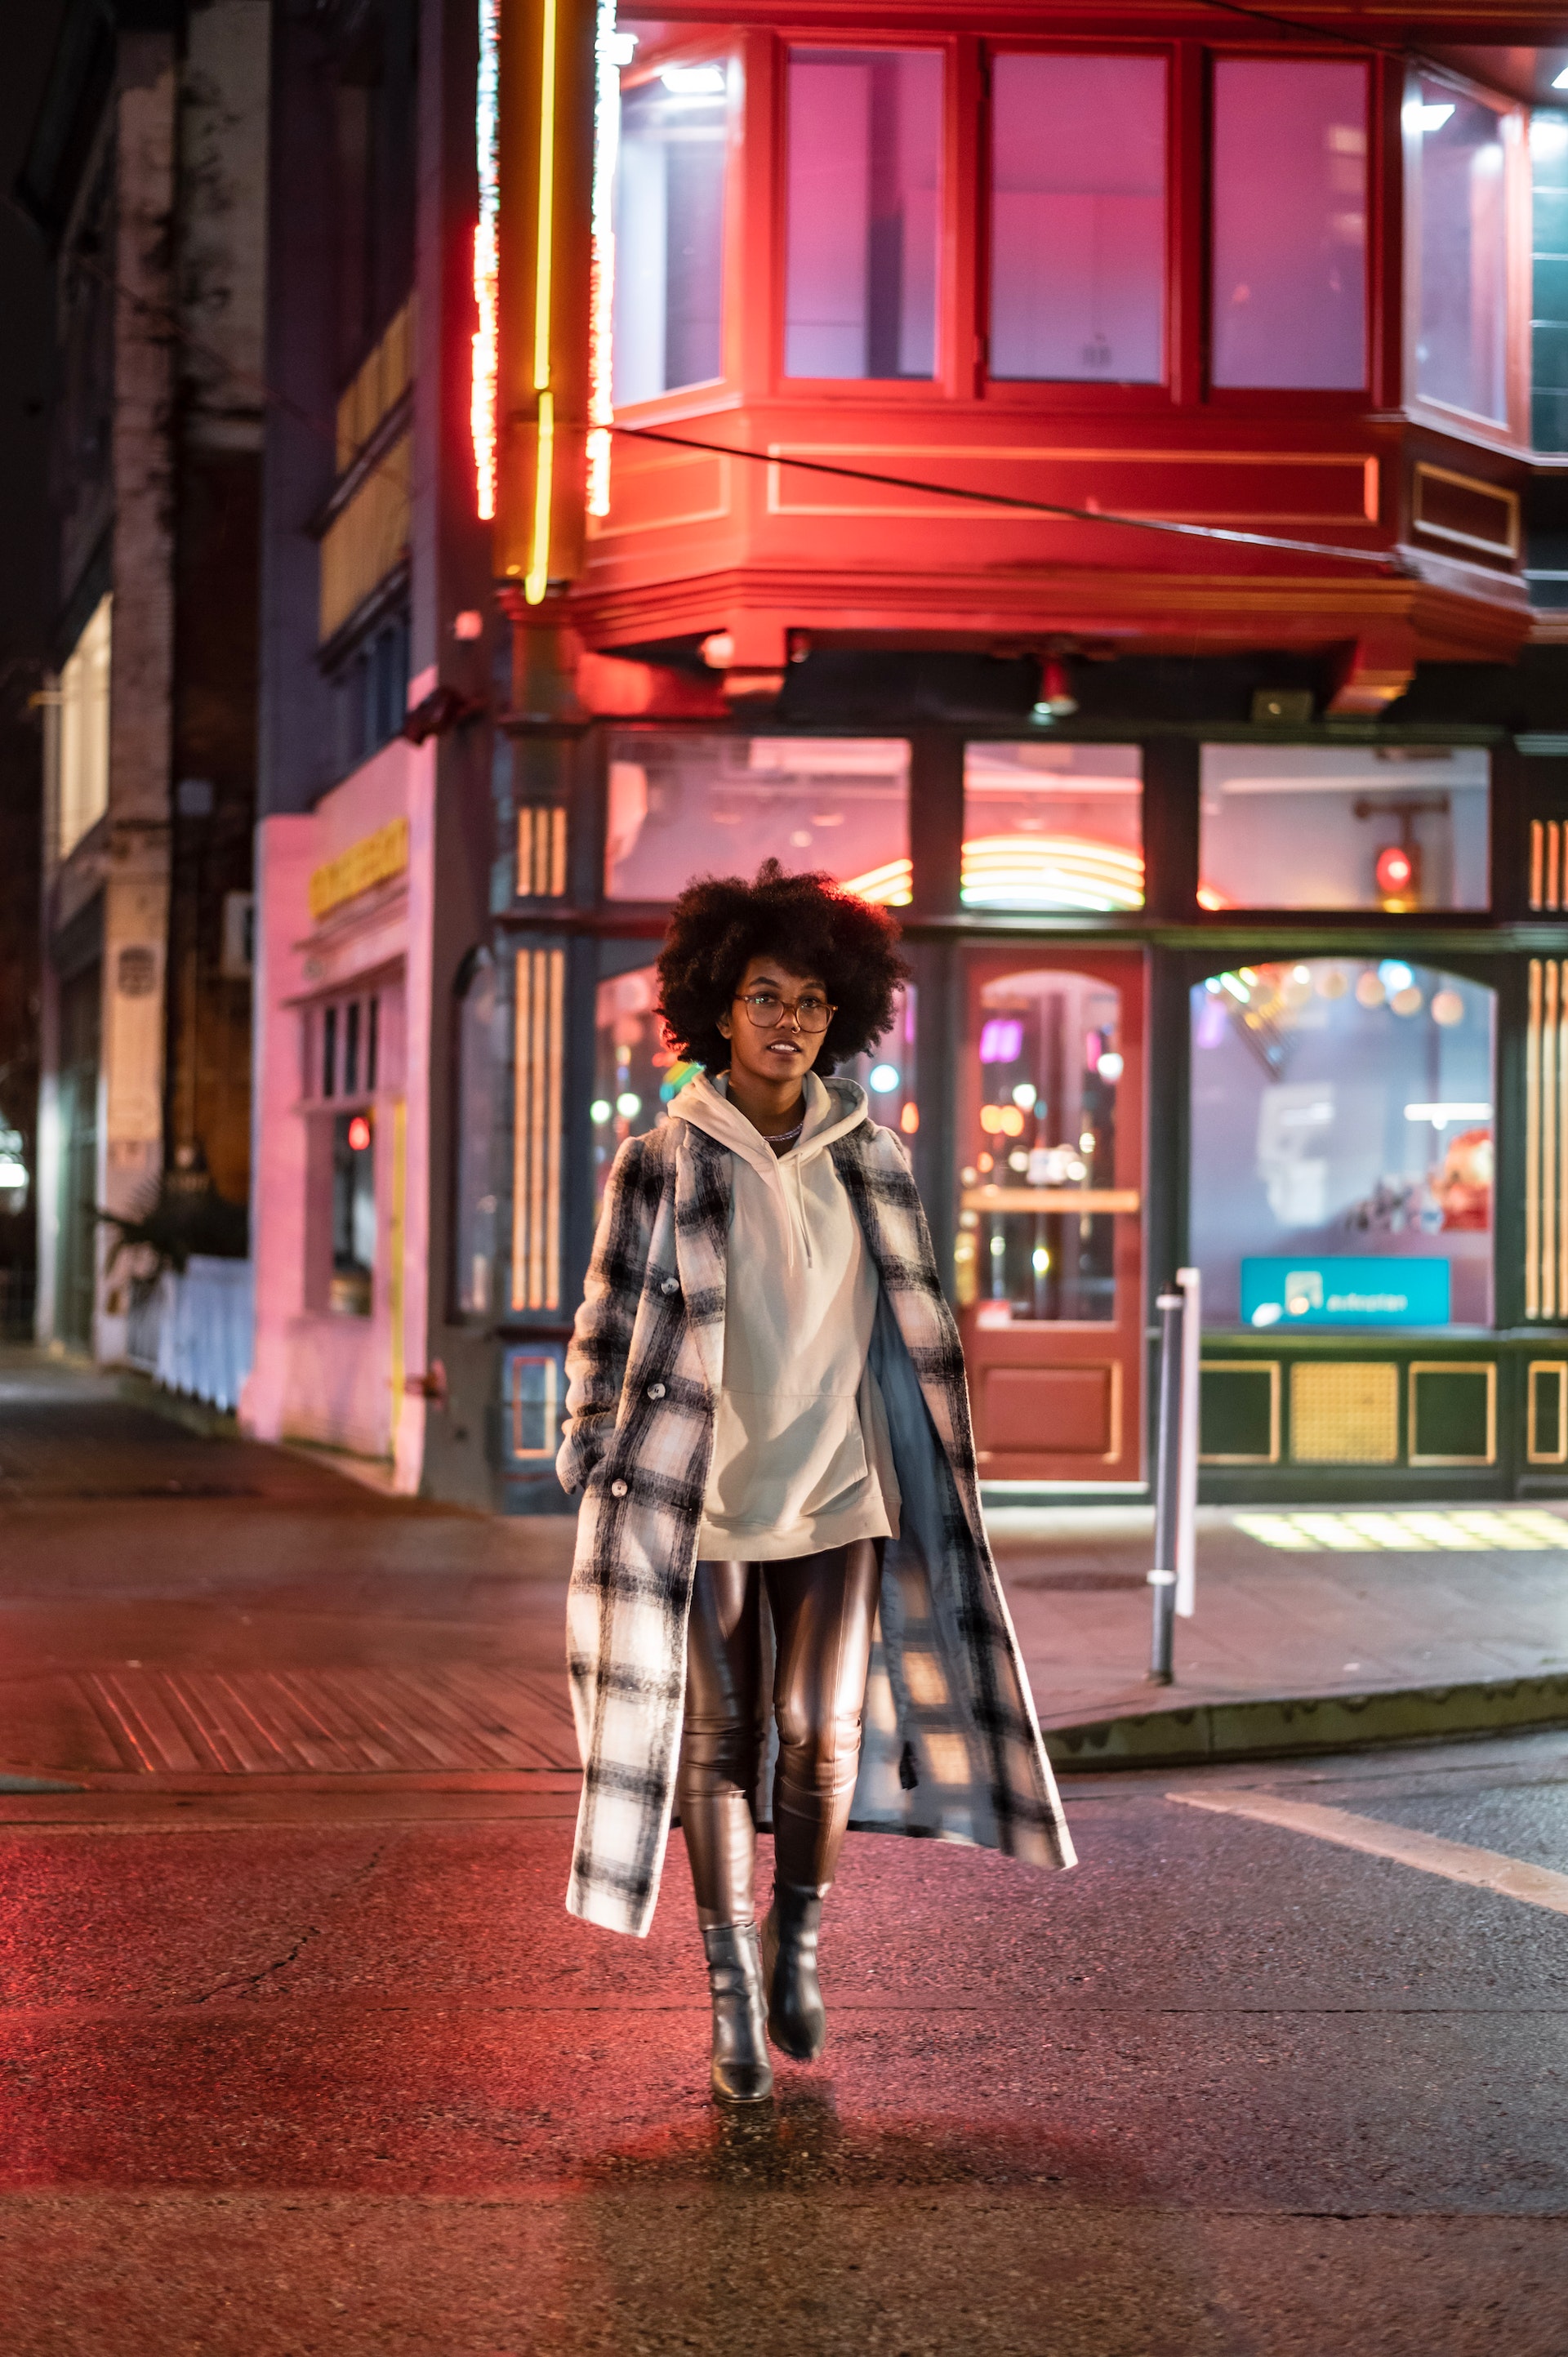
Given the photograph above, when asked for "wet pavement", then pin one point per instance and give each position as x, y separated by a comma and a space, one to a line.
296, 2059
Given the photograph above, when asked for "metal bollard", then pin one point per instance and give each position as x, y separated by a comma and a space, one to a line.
1168, 1488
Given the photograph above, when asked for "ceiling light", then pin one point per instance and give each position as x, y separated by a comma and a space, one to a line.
705, 81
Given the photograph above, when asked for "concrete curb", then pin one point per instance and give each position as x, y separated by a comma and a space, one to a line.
1292, 1726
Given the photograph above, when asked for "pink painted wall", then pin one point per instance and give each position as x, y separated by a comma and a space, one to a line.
320, 1375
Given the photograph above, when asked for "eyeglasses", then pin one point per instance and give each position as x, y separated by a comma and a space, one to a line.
767, 1010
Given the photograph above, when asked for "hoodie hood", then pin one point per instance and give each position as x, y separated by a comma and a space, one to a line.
833, 1107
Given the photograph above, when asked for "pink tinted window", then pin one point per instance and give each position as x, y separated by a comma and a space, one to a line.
1290, 224
864, 156
1461, 351
1077, 218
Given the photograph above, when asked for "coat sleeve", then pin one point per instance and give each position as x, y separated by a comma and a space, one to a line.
601, 1334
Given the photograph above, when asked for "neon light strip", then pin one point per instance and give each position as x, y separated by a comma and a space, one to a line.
1006, 871
487, 264
607, 142
537, 579
546, 200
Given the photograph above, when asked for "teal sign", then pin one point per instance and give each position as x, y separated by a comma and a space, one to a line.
1287, 1293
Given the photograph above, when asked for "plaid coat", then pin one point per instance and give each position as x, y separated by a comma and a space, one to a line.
951, 1745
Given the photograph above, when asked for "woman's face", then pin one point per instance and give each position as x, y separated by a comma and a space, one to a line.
785, 1052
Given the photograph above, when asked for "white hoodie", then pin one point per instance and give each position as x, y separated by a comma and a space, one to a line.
801, 1456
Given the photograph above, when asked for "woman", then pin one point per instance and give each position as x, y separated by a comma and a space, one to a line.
767, 1400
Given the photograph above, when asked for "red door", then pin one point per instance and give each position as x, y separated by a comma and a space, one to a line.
1050, 1258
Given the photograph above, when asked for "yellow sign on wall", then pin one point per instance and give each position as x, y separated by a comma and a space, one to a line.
374, 859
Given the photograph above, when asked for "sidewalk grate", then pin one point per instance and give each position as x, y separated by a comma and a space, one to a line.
1454, 1530
336, 1722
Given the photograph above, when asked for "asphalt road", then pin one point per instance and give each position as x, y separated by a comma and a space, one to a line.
309, 2064
305, 2084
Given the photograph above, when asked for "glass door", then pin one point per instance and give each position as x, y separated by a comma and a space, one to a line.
1048, 1260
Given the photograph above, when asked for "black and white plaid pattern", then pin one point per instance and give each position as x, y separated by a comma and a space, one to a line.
953, 1746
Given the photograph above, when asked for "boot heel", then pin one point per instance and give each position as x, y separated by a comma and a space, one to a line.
797, 2018
741, 2072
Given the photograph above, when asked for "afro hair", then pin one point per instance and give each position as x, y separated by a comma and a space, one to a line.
720, 922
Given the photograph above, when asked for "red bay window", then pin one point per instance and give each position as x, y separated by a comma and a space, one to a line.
1077, 218
863, 213
1290, 224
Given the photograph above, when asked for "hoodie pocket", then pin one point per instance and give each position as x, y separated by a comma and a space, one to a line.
783, 1458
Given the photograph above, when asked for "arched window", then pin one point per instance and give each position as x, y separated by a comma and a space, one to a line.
474, 1224
1342, 1125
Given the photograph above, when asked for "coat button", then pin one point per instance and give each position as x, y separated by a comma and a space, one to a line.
655, 1391
617, 1489
671, 1284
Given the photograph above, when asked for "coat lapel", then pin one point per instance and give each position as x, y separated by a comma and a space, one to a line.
703, 1180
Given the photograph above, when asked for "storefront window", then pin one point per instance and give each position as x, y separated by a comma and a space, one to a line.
631, 1064
1461, 258
863, 177
1289, 223
353, 1213
682, 804
476, 1205
1308, 826
1078, 220
669, 231
1053, 826
1037, 1223
1342, 1145
888, 1074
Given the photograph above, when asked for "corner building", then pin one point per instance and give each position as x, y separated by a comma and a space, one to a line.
1233, 873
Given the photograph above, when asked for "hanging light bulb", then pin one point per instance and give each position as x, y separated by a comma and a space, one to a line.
1057, 701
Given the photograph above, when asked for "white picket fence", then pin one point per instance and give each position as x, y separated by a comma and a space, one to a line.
194, 1333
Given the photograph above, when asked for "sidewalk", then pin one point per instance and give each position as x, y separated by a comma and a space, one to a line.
200, 1609
1311, 1632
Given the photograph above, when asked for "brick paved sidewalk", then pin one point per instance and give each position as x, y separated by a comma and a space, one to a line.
199, 1607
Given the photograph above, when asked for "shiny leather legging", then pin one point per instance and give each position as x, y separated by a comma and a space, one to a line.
823, 1606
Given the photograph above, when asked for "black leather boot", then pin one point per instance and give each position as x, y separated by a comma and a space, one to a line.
797, 2019
742, 2072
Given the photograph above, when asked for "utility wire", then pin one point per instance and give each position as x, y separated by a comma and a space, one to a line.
1014, 502
1364, 42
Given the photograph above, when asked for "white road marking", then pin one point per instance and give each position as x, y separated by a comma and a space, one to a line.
1485, 1869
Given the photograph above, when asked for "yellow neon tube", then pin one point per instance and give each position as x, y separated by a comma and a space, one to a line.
537, 578
546, 204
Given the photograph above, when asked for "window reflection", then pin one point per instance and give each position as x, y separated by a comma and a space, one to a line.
1307, 826
1036, 1240
1289, 223
1342, 1113
1549, 317
1461, 349
668, 231
631, 1064
1077, 218
888, 1074
864, 171
682, 804
1053, 826
353, 1213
